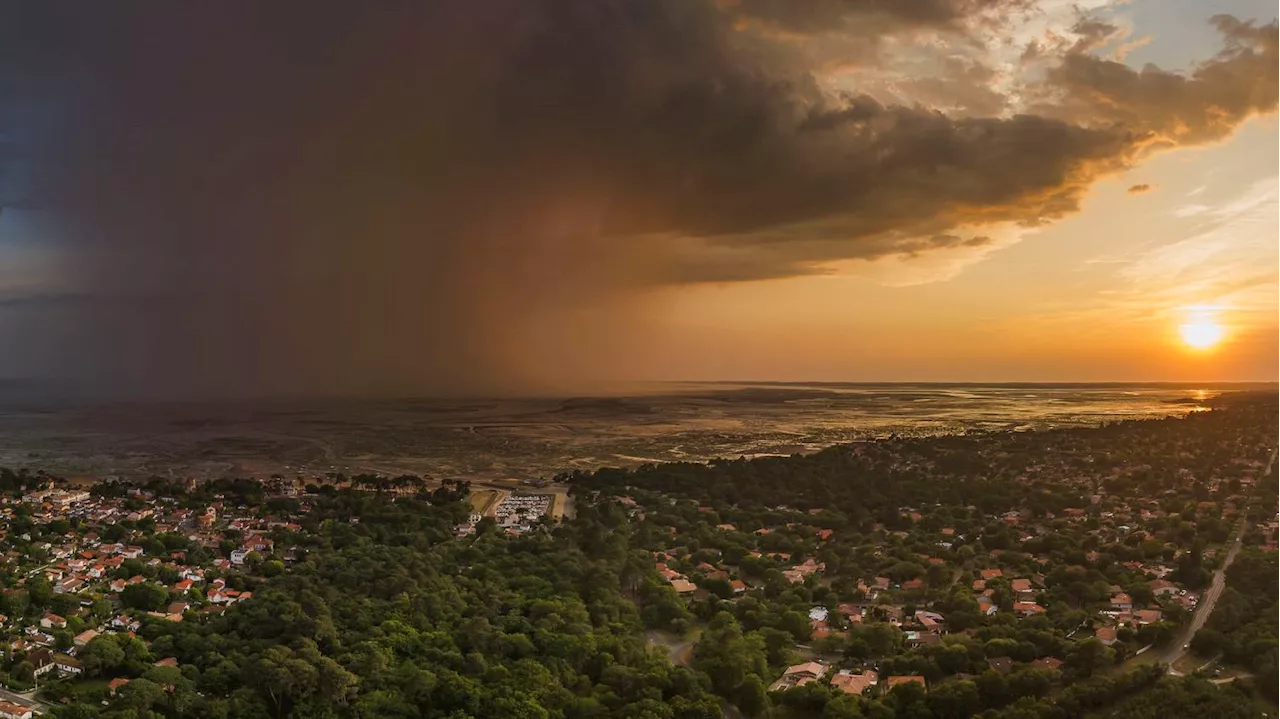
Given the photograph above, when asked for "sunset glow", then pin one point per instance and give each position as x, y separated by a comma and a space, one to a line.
692, 190
1201, 333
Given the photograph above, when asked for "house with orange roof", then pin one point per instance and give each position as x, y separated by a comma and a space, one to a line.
851, 683
9, 710
1106, 635
1027, 609
798, 675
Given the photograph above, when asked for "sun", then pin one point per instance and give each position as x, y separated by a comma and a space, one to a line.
1201, 333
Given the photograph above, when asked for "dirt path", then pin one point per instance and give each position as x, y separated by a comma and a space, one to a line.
679, 649
680, 652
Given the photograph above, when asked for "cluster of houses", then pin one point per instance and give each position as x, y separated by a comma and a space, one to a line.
849, 681
85, 568
683, 585
1111, 544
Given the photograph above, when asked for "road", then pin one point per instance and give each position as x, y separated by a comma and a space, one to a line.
1210, 597
25, 701
679, 650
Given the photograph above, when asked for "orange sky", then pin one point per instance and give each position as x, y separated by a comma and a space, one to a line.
1098, 296
559, 196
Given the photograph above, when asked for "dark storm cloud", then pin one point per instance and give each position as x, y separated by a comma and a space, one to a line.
811, 16
1172, 108
415, 196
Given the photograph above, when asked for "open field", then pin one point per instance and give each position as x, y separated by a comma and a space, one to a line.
505, 441
562, 505
483, 501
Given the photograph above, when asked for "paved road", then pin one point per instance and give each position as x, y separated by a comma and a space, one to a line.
25, 701
1210, 598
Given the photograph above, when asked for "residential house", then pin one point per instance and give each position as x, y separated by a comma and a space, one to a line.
851, 683
41, 661
67, 665
682, 586
1147, 616
70, 585
922, 639
9, 710
53, 621
799, 675
1027, 609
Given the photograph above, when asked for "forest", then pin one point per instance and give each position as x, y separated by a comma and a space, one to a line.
394, 617
1243, 627
385, 611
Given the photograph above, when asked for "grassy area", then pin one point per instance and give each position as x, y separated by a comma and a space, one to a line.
1151, 656
1190, 662
482, 500
558, 505
89, 687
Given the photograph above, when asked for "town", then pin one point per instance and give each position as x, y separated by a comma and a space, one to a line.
96, 565
976, 571
1091, 558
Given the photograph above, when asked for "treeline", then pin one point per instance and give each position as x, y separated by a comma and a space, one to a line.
249, 492
869, 482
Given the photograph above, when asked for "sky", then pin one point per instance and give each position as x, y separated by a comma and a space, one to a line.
563, 196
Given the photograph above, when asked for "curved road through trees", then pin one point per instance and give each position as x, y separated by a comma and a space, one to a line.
1210, 598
